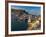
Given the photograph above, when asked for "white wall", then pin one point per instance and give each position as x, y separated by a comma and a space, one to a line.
2, 20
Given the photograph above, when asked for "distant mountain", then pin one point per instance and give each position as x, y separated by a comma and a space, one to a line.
20, 11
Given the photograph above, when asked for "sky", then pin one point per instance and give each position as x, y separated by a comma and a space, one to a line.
30, 9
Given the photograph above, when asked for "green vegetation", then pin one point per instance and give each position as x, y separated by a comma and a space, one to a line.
33, 21
12, 10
